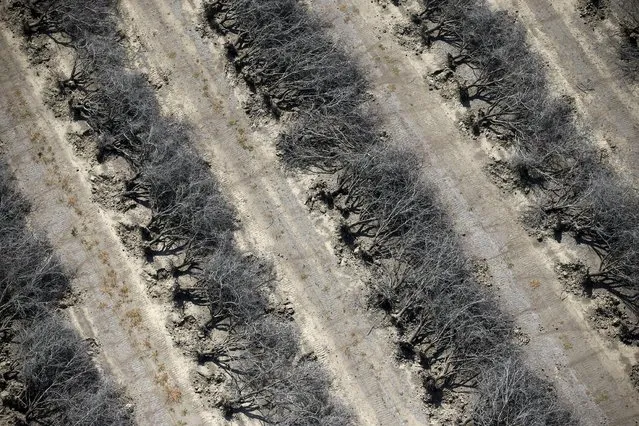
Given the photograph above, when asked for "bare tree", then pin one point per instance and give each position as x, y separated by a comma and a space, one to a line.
268, 377
501, 71
92, 55
608, 221
384, 197
190, 216
31, 279
281, 48
67, 21
121, 108
442, 19
509, 395
100, 406
58, 374
325, 141
232, 285
626, 13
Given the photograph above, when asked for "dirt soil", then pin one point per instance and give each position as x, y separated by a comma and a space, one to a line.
583, 62
591, 370
112, 306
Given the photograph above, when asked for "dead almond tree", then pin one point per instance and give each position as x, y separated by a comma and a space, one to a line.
506, 78
308, 401
441, 20
626, 13
91, 55
282, 49
190, 216
498, 68
267, 376
100, 406
509, 395
495, 50
479, 32
66, 21
443, 317
382, 198
58, 373
324, 141
608, 221
554, 153
232, 285
120, 109
257, 364
31, 278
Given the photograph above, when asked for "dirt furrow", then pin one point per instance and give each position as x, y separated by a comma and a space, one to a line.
112, 307
590, 370
328, 300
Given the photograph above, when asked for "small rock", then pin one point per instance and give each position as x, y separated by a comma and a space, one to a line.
81, 128
150, 271
204, 371
177, 319
4, 395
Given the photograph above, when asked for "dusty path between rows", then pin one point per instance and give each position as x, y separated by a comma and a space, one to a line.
328, 299
590, 370
112, 307
583, 63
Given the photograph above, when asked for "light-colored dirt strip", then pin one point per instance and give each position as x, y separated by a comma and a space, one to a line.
328, 299
112, 307
583, 61
590, 370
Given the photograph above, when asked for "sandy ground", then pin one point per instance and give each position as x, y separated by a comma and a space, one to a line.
583, 62
112, 306
590, 370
